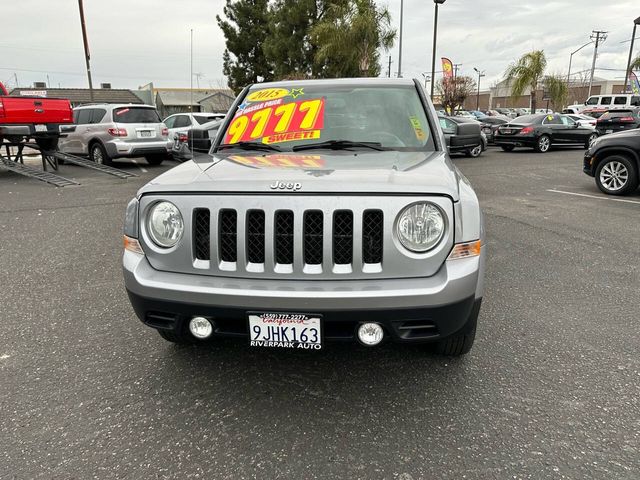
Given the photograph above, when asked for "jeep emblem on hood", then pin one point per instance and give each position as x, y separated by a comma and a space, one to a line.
286, 186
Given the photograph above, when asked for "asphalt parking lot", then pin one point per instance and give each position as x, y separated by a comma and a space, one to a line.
550, 390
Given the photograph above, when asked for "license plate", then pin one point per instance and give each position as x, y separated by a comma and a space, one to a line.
507, 131
41, 128
145, 133
608, 131
486, 130
285, 330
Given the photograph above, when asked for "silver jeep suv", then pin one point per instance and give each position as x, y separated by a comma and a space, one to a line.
327, 210
106, 132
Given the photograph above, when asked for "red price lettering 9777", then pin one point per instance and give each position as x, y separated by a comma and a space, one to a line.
284, 118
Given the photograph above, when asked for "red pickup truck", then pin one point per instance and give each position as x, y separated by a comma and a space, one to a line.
38, 118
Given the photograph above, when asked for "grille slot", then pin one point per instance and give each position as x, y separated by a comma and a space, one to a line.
343, 237
228, 235
255, 236
202, 233
284, 237
372, 236
313, 232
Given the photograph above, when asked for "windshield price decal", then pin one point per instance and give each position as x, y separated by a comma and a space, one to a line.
417, 128
280, 161
274, 94
278, 122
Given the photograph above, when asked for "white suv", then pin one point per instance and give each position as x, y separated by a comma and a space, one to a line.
106, 132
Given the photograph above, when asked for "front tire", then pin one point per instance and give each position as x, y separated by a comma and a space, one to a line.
474, 152
592, 138
617, 175
98, 154
543, 144
460, 343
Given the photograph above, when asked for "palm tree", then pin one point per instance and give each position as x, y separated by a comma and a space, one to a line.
348, 40
526, 73
635, 65
557, 89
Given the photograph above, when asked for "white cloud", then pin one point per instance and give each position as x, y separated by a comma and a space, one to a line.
137, 41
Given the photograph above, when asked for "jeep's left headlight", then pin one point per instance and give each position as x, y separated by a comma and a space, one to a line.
420, 226
165, 224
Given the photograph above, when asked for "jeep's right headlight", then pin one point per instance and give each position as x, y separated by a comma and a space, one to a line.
420, 226
165, 224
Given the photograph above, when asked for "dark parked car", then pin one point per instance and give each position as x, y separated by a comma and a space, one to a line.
618, 120
489, 124
462, 135
614, 161
199, 138
541, 132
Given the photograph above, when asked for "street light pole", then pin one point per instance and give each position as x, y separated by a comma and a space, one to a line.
480, 75
571, 59
435, 39
627, 75
85, 41
400, 41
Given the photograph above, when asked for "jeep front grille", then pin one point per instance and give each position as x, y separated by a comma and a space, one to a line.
283, 234
296, 237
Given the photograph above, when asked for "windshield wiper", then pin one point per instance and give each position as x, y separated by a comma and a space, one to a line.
250, 146
339, 145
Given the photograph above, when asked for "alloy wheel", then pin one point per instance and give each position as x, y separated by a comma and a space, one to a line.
614, 176
97, 155
544, 143
592, 138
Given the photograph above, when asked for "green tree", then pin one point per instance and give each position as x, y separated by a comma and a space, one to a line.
289, 46
635, 64
245, 29
526, 73
557, 89
348, 39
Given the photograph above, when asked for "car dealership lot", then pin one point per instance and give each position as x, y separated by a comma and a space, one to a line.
550, 389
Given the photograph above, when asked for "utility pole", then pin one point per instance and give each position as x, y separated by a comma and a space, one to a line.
15, 77
627, 75
435, 40
87, 55
455, 69
480, 75
389, 71
597, 36
400, 41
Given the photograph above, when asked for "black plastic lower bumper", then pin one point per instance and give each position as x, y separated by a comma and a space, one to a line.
402, 325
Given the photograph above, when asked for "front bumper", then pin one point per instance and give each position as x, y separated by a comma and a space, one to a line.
410, 310
119, 149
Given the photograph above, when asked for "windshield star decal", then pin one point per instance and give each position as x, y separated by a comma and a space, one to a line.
277, 185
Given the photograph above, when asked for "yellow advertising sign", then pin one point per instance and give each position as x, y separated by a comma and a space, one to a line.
267, 94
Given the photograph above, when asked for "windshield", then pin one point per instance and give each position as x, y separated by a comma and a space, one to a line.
136, 115
391, 117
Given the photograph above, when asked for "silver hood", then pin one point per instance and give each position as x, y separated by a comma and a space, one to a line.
430, 173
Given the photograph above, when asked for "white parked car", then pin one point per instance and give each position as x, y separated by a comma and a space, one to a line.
583, 120
183, 122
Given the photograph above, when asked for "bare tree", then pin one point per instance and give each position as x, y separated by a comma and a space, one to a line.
454, 91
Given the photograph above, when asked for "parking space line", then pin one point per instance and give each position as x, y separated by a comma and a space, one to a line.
595, 196
133, 160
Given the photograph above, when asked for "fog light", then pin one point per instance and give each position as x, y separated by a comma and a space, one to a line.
200, 327
370, 334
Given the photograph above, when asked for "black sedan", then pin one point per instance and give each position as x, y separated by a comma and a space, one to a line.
614, 161
463, 135
196, 140
541, 132
618, 120
490, 124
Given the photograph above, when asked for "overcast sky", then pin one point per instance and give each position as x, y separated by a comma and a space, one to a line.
134, 42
